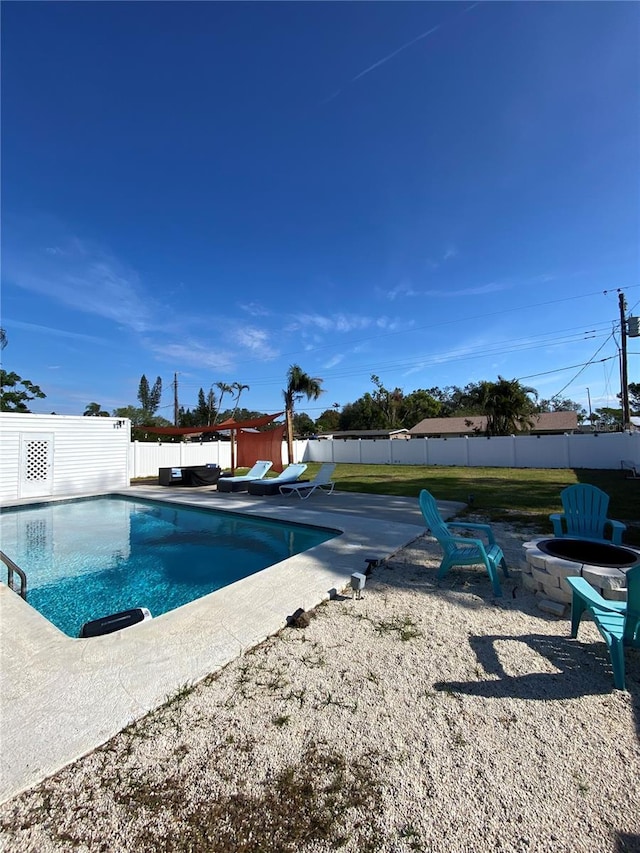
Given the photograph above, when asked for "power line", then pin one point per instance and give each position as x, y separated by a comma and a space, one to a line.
569, 367
427, 360
584, 367
459, 320
453, 321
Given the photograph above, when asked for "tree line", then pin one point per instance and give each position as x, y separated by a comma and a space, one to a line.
507, 405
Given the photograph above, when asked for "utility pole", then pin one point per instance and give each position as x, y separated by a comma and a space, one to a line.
590, 412
624, 396
175, 399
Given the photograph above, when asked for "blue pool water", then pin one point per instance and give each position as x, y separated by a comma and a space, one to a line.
88, 558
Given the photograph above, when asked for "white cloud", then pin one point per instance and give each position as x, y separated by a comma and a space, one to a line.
48, 330
403, 289
193, 353
254, 309
338, 323
85, 278
480, 290
254, 340
333, 362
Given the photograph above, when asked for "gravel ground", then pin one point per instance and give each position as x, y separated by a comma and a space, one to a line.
426, 716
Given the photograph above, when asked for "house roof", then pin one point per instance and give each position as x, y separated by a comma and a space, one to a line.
364, 433
545, 422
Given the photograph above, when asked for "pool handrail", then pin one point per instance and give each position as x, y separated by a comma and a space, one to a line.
11, 568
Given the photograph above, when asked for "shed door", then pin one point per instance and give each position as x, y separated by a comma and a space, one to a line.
36, 465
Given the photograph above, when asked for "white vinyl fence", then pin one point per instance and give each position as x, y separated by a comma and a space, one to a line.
602, 450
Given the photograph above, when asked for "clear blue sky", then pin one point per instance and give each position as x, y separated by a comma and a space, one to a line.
436, 193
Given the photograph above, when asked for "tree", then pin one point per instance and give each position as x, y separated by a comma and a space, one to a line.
202, 413
95, 410
364, 413
133, 413
417, 406
454, 400
239, 387
389, 404
563, 404
299, 385
608, 419
634, 397
506, 404
16, 399
139, 419
224, 388
329, 421
303, 425
3, 339
149, 397
211, 406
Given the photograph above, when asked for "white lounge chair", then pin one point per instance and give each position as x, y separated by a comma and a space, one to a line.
241, 482
321, 481
269, 486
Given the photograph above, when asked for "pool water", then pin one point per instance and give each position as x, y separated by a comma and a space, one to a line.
88, 558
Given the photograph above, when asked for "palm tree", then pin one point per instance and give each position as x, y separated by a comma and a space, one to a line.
507, 406
95, 410
239, 387
299, 385
224, 388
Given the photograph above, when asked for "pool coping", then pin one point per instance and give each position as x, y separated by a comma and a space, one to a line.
61, 698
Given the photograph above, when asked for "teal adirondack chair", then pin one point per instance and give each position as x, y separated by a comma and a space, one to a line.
618, 622
585, 515
461, 550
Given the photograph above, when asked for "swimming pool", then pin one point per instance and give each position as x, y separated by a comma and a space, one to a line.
91, 557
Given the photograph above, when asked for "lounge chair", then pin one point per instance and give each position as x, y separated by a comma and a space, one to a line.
241, 483
618, 622
460, 550
322, 482
585, 515
271, 486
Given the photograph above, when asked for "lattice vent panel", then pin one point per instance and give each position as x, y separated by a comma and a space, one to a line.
37, 456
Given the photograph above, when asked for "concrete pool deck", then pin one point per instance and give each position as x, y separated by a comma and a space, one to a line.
61, 697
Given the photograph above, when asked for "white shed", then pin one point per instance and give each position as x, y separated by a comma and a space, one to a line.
60, 455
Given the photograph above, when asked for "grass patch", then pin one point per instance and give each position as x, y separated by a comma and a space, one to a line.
515, 495
404, 626
309, 802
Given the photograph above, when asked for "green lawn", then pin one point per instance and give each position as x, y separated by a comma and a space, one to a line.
502, 494
514, 494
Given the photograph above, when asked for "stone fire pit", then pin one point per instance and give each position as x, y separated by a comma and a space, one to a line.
548, 562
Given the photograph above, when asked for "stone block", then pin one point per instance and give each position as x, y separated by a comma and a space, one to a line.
565, 586
559, 594
555, 608
605, 578
530, 583
537, 559
614, 594
547, 580
562, 568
